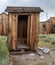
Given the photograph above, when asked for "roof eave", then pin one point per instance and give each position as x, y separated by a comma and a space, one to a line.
35, 11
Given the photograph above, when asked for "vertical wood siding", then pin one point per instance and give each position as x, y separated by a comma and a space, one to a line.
3, 24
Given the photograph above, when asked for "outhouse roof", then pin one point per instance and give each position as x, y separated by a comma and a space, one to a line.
23, 9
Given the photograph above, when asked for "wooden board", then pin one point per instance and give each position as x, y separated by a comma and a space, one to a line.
0, 25
3, 24
28, 30
14, 31
34, 31
9, 32
12, 36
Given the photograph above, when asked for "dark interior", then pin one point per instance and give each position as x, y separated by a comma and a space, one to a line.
22, 26
54, 26
44, 26
22, 31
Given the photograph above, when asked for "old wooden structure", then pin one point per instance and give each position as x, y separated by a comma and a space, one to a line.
48, 27
3, 24
45, 27
23, 27
52, 20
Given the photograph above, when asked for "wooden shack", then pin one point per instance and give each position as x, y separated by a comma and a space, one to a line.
3, 24
45, 27
23, 27
52, 20
48, 26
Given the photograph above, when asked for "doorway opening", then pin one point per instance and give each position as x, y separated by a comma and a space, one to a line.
22, 31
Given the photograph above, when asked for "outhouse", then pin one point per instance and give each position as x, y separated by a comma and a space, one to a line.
23, 27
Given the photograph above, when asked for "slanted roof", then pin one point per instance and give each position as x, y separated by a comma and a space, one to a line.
3, 13
24, 9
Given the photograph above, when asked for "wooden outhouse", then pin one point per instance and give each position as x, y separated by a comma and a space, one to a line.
23, 27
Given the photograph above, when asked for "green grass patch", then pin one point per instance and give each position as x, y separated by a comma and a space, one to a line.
48, 43
3, 50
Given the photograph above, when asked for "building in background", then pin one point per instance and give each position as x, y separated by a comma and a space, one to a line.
47, 27
3, 24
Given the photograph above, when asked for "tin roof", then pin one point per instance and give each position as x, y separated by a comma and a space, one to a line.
24, 9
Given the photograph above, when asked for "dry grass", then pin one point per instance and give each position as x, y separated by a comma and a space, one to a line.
47, 43
38, 61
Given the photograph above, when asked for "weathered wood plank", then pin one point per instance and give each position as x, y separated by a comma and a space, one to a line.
3, 22
0, 25
35, 21
31, 43
14, 33
28, 30
9, 32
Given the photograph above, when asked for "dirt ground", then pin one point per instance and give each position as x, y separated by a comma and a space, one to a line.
33, 59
